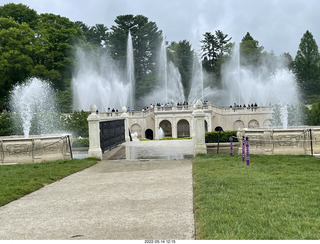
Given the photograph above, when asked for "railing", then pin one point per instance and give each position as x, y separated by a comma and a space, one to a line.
111, 133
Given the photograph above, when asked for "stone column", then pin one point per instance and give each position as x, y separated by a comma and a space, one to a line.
125, 116
198, 129
94, 134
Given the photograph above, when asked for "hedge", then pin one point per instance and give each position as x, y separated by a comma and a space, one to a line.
212, 137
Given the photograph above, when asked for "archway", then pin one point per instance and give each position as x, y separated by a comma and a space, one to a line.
166, 127
218, 128
183, 128
136, 128
253, 124
149, 134
238, 124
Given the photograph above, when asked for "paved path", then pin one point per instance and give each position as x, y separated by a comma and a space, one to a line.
114, 199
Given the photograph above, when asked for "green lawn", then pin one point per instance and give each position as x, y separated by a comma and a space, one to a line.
276, 197
20, 179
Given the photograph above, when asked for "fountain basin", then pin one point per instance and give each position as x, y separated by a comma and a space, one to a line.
294, 141
16, 149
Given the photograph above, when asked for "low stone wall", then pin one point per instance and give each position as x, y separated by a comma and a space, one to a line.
282, 141
14, 149
224, 148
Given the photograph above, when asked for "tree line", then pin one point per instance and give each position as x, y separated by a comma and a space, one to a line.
44, 45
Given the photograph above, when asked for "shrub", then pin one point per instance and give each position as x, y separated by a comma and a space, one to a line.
80, 142
212, 137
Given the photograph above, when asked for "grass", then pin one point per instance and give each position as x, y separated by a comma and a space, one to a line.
276, 197
20, 179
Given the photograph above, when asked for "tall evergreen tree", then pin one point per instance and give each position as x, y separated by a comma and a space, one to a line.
250, 51
307, 67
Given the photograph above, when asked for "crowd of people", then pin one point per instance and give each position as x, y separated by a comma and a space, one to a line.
255, 105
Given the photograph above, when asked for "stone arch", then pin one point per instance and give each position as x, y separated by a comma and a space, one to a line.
253, 123
218, 128
267, 123
238, 124
166, 127
183, 128
136, 128
149, 134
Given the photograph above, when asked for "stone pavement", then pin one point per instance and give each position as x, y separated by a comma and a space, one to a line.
112, 200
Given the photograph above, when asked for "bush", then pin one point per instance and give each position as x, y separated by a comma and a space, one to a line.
212, 137
76, 123
80, 142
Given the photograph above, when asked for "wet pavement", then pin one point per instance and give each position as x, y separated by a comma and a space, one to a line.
134, 196
149, 150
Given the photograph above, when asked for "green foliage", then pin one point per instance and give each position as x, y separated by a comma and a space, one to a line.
214, 46
21, 179
182, 56
275, 198
307, 65
6, 122
212, 137
76, 123
314, 118
80, 142
250, 51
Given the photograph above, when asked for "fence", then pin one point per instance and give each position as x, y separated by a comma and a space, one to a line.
112, 133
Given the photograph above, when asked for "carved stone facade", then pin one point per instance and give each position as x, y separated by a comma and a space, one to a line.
14, 149
279, 141
176, 120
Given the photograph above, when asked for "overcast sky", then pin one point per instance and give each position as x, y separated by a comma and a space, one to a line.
278, 25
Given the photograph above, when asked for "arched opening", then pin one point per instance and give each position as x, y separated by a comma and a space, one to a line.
183, 128
205, 126
253, 124
218, 128
267, 123
136, 128
166, 127
149, 134
238, 124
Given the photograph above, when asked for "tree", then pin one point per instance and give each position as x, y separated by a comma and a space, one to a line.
214, 46
96, 35
181, 54
250, 51
307, 66
20, 13
16, 50
146, 39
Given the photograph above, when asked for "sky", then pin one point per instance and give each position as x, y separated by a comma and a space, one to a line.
278, 25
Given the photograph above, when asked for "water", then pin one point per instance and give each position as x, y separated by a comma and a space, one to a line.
244, 85
130, 71
161, 133
99, 80
34, 102
169, 87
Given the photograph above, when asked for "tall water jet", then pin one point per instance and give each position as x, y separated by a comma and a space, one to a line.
200, 88
130, 70
163, 67
169, 87
245, 85
98, 80
34, 100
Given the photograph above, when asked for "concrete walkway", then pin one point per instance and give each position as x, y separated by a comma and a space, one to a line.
113, 200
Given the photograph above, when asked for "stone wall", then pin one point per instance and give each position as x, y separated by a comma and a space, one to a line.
14, 149
282, 141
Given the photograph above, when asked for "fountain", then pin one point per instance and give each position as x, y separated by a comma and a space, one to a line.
130, 71
244, 85
161, 133
33, 102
